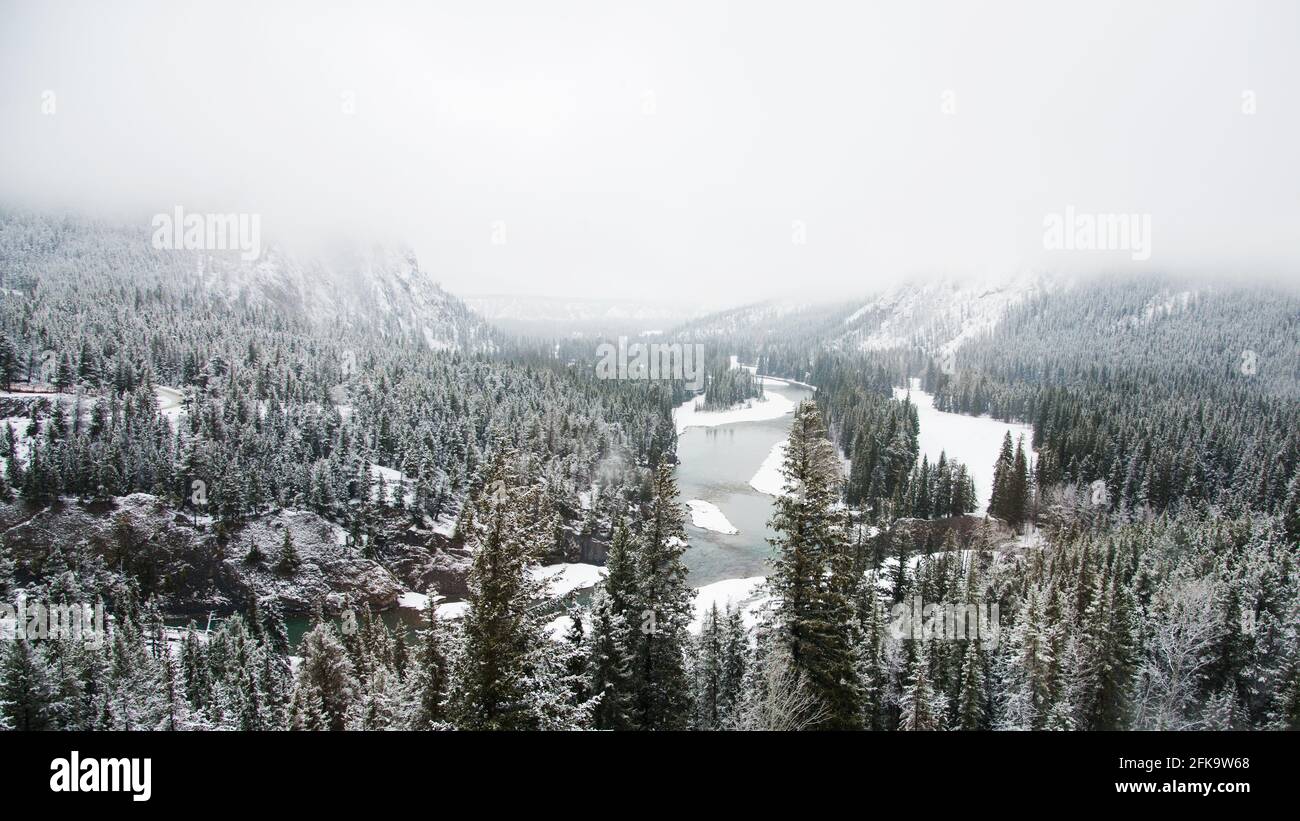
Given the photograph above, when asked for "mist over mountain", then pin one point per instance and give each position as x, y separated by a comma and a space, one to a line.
708, 367
349, 287
560, 316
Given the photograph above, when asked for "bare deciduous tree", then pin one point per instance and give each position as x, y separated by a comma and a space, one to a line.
1182, 629
783, 700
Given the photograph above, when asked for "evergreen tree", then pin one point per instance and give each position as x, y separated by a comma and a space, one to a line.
812, 571
575, 658
871, 666
430, 671
1286, 713
1000, 501
735, 666
289, 561
327, 688
971, 695
1291, 510
509, 673
610, 661
662, 604
65, 376
24, 688
1027, 669
707, 669
6, 568
9, 363
1018, 497
921, 707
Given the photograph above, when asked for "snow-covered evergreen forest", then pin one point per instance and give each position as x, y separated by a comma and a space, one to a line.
313, 439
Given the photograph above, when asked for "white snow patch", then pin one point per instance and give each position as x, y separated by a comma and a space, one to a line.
453, 610
856, 315
747, 594
1159, 307
776, 380
771, 405
1032, 538
768, 479
394, 481
558, 628
413, 600
434, 343
445, 526
707, 516
566, 578
22, 441
975, 441
169, 403
948, 312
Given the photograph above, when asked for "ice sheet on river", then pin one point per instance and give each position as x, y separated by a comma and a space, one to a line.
707, 516
768, 479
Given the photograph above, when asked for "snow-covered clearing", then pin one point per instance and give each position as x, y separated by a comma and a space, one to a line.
392, 481
566, 578
453, 610
170, 403
973, 440
446, 609
445, 525
707, 516
21, 439
768, 479
413, 600
747, 594
558, 628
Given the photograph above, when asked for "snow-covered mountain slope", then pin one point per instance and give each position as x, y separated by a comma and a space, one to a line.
371, 289
1165, 304
376, 288
936, 315
783, 319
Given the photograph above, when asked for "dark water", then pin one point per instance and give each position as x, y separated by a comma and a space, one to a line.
716, 465
403, 618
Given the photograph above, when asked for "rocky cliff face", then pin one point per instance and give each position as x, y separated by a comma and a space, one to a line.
368, 289
196, 570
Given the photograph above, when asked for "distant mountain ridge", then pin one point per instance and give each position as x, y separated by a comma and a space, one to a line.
932, 315
563, 315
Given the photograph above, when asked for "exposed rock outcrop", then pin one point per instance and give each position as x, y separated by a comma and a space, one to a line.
194, 569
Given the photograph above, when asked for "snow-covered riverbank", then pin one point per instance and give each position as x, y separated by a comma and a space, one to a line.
772, 405
746, 594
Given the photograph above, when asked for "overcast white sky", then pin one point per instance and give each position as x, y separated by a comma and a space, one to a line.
668, 148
